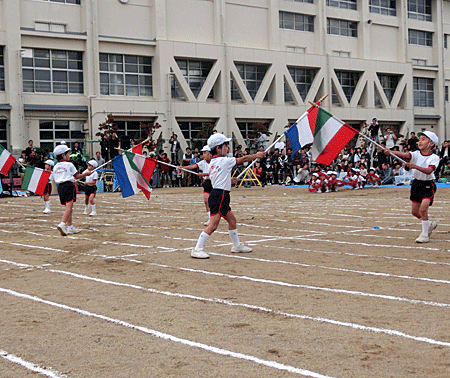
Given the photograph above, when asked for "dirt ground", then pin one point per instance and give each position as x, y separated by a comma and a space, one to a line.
335, 287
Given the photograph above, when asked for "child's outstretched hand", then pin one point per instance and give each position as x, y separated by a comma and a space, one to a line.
234, 180
261, 154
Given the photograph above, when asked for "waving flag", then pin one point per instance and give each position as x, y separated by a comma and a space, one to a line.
301, 132
137, 149
134, 173
331, 135
6, 160
35, 180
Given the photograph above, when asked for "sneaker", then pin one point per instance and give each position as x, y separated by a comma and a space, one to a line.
62, 228
93, 213
241, 249
73, 230
433, 225
47, 211
422, 239
199, 254
86, 211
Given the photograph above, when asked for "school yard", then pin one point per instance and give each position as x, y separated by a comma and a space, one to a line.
335, 287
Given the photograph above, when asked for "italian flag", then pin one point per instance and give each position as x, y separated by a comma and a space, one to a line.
35, 180
133, 173
6, 160
137, 149
331, 135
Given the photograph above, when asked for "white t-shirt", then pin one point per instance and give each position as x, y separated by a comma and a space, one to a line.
64, 171
424, 161
90, 179
280, 145
203, 166
220, 172
390, 141
50, 179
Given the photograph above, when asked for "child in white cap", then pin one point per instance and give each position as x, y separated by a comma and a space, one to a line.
65, 174
48, 165
424, 163
90, 188
220, 169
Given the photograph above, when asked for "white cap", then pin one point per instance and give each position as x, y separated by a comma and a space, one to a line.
50, 162
63, 142
20, 160
429, 134
217, 140
335, 173
315, 174
93, 163
330, 172
61, 149
206, 148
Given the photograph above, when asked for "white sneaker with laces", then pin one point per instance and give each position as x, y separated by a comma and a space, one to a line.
241, 249
47, 211
199, 254
93, 213
432, 226
62, 228
422, 239
73, 230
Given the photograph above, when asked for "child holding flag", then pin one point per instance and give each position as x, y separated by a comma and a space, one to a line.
220, 169
90, 188
48, 188
424, 163
65, 174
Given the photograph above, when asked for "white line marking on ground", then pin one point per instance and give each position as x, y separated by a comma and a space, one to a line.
49, 372
166, 336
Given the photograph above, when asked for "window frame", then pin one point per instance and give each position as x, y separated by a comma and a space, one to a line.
343, 4
244, 69
384, 7
423, 97
415, 7
420, 38
300, 22
351, 27
191, 78
303, 87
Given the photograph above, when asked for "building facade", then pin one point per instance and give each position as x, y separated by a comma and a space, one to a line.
66, 64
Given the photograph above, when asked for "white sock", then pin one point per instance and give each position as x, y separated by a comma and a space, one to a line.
234, 237
425, 226
62, 224
209, 214
86, 207
202, 239
93, 208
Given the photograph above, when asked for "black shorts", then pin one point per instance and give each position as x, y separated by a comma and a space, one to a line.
48, 189
219, 201
207, 186
67, 192
90, 189
422, 190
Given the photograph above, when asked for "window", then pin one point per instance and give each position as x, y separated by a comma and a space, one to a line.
303, 78
423, 92
342, 27
342, 54
419, 62
348, 81
247, 129
252, 75
195, 72
131, 128
446, 94
125, 75
53, 132
346, 4
45, 26
52, 71
445, 40
296, 49
3, 140
387, 7
419, 10
64, 1
2, 70
296, 21
419, 37
190, 132
304, 1
389, 84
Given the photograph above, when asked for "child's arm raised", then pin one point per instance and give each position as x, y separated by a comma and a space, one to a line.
245, 158
78, 176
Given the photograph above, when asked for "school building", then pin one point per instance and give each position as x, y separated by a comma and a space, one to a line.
66, 64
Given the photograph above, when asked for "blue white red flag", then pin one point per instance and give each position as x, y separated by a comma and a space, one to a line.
134, 173
301, 132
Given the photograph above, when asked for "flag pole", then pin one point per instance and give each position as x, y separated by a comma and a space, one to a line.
383, 148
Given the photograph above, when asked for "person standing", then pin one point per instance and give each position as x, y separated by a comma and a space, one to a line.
373, 129
262, 140
114, 144
175, 148
220, 169
423, 188
412, 142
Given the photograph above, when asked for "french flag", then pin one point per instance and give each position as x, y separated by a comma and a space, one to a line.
133, 173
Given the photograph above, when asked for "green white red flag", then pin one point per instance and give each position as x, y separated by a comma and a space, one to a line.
35, 180
6, 160
331, 135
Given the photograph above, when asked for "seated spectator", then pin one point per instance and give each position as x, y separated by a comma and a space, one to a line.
386, 174
98, 158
